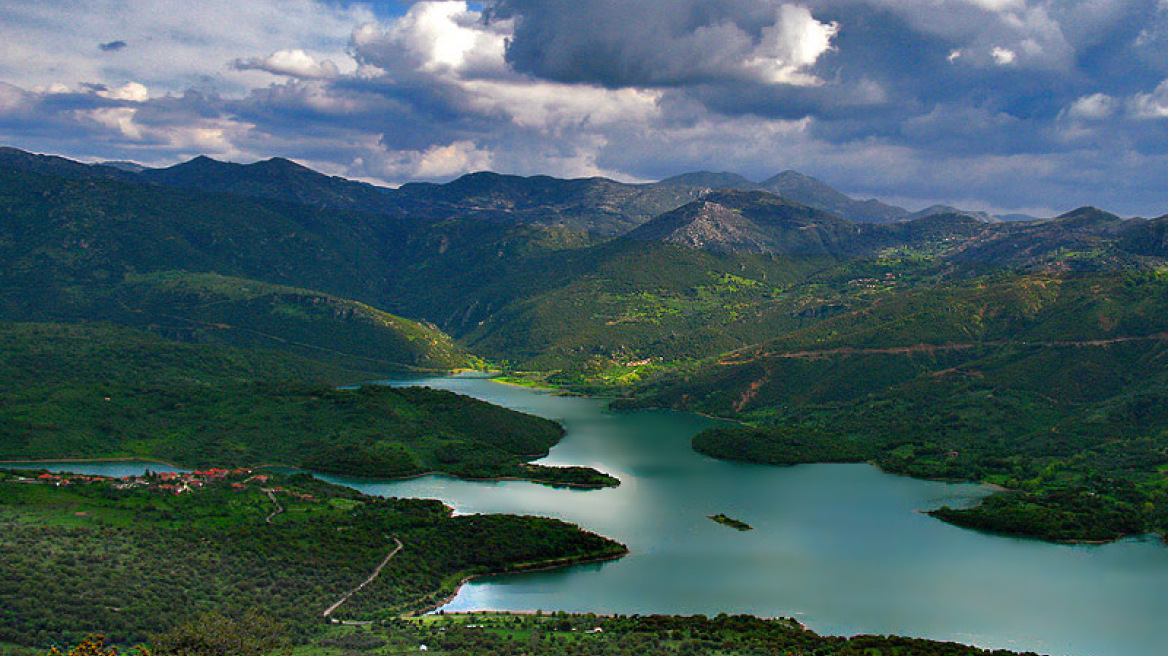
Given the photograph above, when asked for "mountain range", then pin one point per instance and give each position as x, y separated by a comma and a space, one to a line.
587, 204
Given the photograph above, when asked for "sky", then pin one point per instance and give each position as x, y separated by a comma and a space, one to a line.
1033, 106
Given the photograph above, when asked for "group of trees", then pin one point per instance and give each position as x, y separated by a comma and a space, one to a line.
136, 562
100, 391
560, 634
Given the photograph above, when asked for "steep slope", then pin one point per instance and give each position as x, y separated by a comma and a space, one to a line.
616, 311
1085, 239
208, 308
57, 231
730, 221
818, 194
1145, 237
95, 250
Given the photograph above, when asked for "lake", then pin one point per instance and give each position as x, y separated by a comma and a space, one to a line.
842, 548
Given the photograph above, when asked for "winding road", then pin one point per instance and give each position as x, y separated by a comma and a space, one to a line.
329, 611
279, 509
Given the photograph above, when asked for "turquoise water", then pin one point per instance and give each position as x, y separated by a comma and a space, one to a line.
843, 548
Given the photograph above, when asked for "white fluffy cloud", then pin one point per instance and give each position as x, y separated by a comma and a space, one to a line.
132, 91
1003, 56
438, 37
292, 63
789, 47
1095, 107
1152, 105
438, 161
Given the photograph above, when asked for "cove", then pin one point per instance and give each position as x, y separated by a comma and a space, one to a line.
842, 548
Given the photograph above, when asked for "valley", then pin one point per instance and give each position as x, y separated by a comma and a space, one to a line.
224, 315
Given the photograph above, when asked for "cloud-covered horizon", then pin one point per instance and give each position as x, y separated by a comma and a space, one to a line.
1006, 105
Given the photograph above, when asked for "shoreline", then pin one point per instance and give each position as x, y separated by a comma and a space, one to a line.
553, 613
493, 479
500, 380
539, 567
497, 479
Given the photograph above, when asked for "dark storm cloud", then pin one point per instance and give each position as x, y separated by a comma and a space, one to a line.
408, 117
655, 43
1026, 58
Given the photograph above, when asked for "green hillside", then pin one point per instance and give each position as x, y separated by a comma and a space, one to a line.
286, 547
217, 309
65, 239
1047, 384
628, 301
84, 391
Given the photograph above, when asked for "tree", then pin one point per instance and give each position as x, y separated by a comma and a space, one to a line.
253, 634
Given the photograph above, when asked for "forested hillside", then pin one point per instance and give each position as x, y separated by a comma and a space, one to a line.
131, 558
92, 391
945, 345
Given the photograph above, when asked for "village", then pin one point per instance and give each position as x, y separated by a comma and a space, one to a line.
167, 482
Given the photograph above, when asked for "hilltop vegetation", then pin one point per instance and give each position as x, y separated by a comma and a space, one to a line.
131, 561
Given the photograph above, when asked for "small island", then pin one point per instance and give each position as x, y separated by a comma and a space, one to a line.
731, 522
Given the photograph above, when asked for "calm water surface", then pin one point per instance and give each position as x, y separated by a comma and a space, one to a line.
841, 547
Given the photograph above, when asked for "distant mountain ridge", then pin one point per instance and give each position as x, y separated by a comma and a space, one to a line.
586, 204
723, 220
597, 205
722, 180
61, 167
932, 210
818, 194
276, 179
